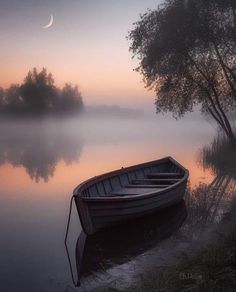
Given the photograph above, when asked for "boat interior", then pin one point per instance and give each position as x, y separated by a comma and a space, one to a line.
134, 181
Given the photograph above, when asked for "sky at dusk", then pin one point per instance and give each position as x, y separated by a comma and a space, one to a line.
86, 45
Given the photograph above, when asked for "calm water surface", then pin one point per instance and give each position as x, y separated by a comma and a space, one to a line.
42, 162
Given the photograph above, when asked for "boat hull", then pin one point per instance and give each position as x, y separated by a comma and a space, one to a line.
98, 213
101, 214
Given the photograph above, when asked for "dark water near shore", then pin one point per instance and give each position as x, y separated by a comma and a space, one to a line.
41, 163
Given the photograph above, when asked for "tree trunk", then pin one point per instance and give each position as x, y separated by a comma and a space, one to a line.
232, 139
216, 111
226, 127
231, 136
234, 13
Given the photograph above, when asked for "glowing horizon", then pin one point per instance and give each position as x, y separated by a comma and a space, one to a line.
85, 46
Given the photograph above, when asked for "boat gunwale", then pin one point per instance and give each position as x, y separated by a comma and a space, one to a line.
77, 191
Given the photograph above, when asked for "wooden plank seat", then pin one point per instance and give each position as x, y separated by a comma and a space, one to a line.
147, 186
131, 191
164, 175
155, 181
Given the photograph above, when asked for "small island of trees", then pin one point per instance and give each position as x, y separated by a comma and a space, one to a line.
38, 96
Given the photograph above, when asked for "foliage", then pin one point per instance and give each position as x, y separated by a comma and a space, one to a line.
187, 52
38, 96
70, 99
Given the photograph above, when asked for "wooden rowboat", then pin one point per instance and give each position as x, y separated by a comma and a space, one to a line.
129, 193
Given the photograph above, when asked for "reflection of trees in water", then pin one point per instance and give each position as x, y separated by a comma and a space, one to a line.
38, 148
208, 203
219, 156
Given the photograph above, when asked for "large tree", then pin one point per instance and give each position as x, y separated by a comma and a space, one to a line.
187, 53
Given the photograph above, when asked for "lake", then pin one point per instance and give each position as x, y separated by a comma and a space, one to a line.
41, 162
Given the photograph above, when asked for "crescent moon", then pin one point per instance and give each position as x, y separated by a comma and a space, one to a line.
50, 22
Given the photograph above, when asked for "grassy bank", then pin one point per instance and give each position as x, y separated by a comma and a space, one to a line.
211, 269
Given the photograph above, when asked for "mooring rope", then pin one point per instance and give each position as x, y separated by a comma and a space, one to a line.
76, 283
68, 222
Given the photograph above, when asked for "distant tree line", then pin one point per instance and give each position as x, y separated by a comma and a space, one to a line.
113, 111
38, 96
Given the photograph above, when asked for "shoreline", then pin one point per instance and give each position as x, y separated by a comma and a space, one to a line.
204, 268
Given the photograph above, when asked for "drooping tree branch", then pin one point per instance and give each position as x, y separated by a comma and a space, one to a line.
213, 111
218, 120
233, 75
224, 69
219, 115
233, 11
226, 120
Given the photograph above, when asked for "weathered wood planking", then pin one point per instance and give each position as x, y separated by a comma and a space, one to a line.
129, 193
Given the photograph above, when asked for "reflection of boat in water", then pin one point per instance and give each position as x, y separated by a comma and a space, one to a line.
117, 245
129, 193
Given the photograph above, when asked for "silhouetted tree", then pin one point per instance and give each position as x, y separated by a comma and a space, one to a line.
38, 92
70, 99
187, 52
38, 96
14, 103
2, 94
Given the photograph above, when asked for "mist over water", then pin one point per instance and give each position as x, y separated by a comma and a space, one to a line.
38, 147
41, 162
